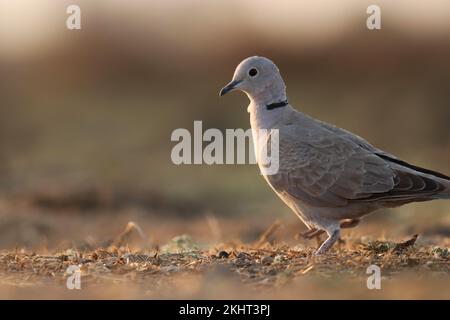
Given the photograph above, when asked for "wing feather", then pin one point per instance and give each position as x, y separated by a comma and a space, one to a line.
326, 169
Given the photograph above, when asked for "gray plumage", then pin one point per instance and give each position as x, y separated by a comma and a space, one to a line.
328, 176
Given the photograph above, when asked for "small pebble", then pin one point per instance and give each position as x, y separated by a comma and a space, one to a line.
267, 260
223, 255
243, 255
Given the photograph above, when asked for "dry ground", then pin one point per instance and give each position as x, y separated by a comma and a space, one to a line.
236, 257
229, 272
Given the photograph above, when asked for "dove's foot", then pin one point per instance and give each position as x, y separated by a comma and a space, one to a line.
332, 238
311, 233
307, 233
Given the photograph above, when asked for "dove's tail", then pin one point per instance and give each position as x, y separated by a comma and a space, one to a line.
443, 181
446, 193
431, 184
440, 179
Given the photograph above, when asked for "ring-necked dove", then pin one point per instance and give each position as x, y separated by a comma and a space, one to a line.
328, 176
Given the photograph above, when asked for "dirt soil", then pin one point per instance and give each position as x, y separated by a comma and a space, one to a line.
207, 257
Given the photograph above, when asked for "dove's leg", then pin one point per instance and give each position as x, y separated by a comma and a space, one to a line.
308, 233
312, 233
333, 235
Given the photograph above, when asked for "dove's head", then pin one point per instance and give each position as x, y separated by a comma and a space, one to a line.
260, 79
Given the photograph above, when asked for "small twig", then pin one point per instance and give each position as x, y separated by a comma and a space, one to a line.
305, 270
266, 235
214, 226
121, 238
404, 245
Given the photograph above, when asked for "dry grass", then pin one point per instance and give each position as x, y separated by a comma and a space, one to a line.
212, 257
179, 269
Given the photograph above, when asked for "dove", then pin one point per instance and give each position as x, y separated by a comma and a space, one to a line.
328, 176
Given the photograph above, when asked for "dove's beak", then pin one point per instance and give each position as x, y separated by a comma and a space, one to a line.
232, 85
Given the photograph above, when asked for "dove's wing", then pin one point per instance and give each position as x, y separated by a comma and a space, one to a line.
350, 136
324, 169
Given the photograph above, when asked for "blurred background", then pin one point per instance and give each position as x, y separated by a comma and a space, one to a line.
86, 115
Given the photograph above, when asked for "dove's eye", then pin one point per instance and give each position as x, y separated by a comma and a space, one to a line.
252, 72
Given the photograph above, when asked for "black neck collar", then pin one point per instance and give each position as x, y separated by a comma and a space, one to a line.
277, 105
